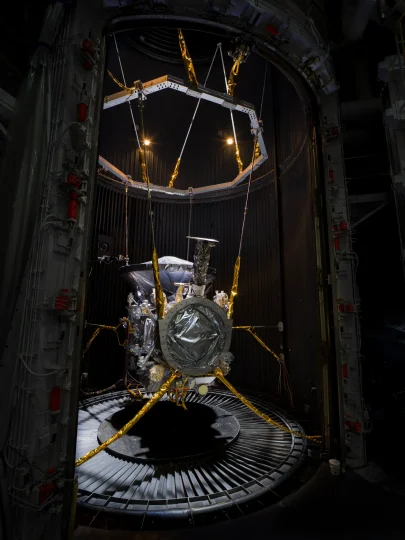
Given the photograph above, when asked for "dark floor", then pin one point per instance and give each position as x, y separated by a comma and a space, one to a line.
345, 507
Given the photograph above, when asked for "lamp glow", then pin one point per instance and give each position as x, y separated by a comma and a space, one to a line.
146, 142
229, 141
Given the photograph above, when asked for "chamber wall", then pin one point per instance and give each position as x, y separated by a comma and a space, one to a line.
263, 272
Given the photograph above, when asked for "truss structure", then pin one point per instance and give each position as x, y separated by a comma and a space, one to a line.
200, 92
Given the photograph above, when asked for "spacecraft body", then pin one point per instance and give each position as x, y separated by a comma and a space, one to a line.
194, 336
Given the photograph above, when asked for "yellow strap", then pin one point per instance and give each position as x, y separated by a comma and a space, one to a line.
234, 73
252, 331
120, 433
160, 299
218, 373
175, 173
238, 158
130, 89
188, 62
234, 290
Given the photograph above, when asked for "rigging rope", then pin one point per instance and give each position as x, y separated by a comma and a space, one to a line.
264, 88
240, 57
237, 154
257, 149
155, 260
283, 374
235, 282
121, 432
218, 373
126, 225
190, 190
176, 169
131, 91
188, 62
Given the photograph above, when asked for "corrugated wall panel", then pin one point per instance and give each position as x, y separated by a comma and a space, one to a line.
258, 302
260, 298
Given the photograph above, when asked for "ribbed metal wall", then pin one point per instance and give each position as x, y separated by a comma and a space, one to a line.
258, 302
260, 298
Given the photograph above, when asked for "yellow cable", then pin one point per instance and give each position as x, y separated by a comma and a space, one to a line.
129, 89
120, 433
234, 289
218, 373
188, 62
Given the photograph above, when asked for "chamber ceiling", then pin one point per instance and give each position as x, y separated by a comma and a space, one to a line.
207, 158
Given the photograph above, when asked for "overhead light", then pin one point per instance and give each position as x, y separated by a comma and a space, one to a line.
146, 142
229, 140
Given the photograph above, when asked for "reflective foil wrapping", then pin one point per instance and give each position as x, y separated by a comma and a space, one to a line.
172, 271
120, 433
201, 262
160, 301
234, 73
188, 63
234, 290
142, 162
238, 158
218, 373
257, 150
149, 334
175, 173
196, 338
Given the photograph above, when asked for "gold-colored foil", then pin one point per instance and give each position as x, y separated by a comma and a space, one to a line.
257, 150
129, 89
160, 298
218, 373
142, 162
234, 73
179, 293
252, 331
234, 290
175, 173
188, 62
238, 158
120, 433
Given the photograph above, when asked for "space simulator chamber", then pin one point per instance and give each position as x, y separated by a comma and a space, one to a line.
209, 456
194, 336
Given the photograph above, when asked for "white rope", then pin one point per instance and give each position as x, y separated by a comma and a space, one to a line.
125, 83
33, 372
227, 91
140, 98
264, 87
199, 101
190, 190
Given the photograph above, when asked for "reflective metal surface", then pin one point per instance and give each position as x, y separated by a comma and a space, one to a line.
193, 335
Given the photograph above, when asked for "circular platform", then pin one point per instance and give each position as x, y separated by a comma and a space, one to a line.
199, 431
178, 464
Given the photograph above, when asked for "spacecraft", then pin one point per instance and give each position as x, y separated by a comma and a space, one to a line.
195, 334
178, 339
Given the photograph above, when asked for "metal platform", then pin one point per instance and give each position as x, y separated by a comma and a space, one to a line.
178, 464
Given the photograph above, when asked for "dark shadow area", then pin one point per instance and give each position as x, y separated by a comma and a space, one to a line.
340, 507
170, 433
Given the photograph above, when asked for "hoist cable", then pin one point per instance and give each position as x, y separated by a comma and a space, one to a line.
155, 260
247, 198
190, 190
177, 166
263, 90
125, 83
238, 159
126, 225
236, 269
